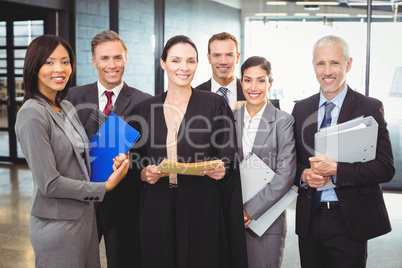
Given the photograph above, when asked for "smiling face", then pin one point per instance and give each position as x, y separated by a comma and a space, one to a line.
54, 73
256, 85
110, 59
181, 64
223, 58
330, 68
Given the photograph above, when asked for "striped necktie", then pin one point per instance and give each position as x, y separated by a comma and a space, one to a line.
224, 92
326, 122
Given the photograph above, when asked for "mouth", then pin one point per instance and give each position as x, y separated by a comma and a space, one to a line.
183, 76
111, 73
254, 95
328, 80
223, 68
58, 79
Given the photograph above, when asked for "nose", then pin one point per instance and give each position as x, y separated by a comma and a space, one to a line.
183, 66
111, 63
58, 67
328, 69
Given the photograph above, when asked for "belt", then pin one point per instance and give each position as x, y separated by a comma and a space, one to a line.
329, 205
173, 185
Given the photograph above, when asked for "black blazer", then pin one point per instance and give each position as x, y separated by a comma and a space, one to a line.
207, 87
359, 191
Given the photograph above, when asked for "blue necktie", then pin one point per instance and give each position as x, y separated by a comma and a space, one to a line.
326, 122
224, 92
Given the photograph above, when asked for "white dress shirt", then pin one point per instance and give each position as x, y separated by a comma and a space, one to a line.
232, 91
102, 99
250, 129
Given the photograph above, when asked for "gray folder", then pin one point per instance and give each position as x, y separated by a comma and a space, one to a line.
352, 141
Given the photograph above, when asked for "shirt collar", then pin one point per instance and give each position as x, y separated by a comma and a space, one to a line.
232, 87
116, 90
337, 100
258, 115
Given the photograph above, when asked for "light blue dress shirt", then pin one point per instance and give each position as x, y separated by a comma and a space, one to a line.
330, 195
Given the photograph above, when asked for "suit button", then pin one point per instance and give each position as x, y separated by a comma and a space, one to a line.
86, 198
309, 196
91, 198
96, 198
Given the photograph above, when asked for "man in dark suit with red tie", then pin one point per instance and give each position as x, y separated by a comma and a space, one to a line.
334, 225
223, 55
117, 214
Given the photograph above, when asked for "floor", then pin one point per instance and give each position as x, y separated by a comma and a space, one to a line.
16, 250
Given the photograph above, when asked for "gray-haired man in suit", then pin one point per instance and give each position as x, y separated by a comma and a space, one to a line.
117, 214
223, 55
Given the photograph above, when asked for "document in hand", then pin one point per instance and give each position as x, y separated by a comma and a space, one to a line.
352, 141
167, 166
255, 175
114, 136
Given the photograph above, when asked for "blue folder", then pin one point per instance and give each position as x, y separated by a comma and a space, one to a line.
113, 137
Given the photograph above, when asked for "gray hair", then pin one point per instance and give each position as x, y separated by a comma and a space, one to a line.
330, 40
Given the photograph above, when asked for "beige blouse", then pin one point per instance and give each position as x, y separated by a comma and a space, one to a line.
173, 118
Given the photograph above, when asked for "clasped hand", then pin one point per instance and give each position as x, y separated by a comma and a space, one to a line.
320, 171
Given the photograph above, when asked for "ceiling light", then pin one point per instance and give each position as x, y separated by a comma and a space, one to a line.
307, 3
376, 16
373, 4
331, 15
312, 8
301, 14
276, 3
271, 14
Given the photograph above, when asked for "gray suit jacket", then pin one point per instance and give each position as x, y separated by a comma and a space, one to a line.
275, 145
61, 184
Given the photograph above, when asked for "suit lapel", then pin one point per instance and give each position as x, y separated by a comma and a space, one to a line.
347, 107
264, 128
122, 101
239, 118
239, 89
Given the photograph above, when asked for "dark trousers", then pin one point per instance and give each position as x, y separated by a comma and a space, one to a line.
112, 239
329, 245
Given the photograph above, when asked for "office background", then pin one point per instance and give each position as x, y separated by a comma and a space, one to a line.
281, 31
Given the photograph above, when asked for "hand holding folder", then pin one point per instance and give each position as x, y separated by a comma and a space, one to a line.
114, 136
352, 141
255, 175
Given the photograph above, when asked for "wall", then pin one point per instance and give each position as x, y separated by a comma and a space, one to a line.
198, 19
92, 17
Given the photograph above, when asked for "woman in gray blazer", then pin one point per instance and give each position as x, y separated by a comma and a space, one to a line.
268, 133
62, 226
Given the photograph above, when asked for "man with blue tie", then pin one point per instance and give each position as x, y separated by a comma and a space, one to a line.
116, 215
223, 55
334, 225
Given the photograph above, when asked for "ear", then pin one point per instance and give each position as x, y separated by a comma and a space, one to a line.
163, 64
209, 58
94, 63
238, 57
270, 85
349, 65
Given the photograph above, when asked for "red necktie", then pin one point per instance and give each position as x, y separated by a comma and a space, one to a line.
109, 103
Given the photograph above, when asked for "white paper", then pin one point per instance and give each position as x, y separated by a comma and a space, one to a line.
255, 175
265, 221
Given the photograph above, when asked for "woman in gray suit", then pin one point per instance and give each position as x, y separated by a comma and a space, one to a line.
62, 226
268, 133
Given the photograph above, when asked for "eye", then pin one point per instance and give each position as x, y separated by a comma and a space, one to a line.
246, 80
66, 62
261, 80
49, 62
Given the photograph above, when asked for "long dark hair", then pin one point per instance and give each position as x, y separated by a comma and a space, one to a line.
37, 53
178, 39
